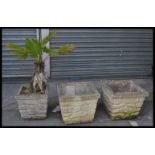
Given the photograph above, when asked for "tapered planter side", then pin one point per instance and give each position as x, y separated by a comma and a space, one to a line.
32, 106
78, 101
123, 99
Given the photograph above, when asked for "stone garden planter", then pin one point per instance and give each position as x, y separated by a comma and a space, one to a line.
123, 99
78, 101
33, 106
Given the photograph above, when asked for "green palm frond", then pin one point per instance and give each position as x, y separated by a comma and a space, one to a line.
49, 37
66, 49
22, 53
18, 50
13, 46
51, 52
34, 47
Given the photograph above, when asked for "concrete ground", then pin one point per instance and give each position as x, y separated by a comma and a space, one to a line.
11, 115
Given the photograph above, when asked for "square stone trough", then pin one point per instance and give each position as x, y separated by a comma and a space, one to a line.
78, 101
123, 99
33, 106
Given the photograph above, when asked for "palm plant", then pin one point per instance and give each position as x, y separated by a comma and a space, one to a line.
35, 49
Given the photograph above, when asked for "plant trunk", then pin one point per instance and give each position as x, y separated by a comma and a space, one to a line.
39, 79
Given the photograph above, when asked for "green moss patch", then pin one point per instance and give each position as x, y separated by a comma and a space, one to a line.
124, 115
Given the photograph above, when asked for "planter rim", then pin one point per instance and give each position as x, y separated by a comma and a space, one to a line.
95, 94
140, 92
79, 97
30, 96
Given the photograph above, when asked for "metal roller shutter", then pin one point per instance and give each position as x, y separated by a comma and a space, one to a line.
105, 53
11, 65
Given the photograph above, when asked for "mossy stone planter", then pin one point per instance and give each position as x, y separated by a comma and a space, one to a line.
33, 106
78, 101
123, 99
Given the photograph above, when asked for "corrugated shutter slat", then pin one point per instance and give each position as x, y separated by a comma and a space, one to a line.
104, 53
11, 65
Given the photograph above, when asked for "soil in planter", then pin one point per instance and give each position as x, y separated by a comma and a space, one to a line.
27, 90
122, 88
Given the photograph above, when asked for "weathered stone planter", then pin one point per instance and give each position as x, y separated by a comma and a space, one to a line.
123, 99
32, 106
78, 101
